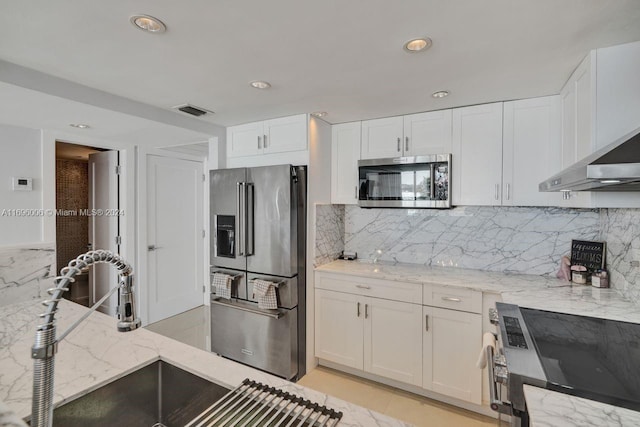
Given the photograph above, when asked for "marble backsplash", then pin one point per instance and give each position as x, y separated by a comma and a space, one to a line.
329, 233
26, 272
621, 231
507, 239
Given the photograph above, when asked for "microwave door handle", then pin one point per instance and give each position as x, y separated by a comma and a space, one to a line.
250, 211
240, 225
432, 187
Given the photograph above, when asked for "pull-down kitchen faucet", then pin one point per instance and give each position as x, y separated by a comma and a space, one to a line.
45, 347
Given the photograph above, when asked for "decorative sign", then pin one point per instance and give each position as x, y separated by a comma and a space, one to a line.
588, 254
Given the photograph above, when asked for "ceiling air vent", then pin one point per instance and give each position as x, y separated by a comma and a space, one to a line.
192, 110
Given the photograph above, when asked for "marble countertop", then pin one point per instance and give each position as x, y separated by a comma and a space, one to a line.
539, 292
550, 409
95, 354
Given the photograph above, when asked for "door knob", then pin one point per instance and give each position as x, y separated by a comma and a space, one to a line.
153, 248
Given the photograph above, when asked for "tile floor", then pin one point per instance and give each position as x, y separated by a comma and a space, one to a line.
192, 327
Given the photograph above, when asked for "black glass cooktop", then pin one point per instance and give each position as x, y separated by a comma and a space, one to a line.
588, 357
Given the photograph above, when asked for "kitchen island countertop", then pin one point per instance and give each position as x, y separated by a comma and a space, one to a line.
551, 409
95, 354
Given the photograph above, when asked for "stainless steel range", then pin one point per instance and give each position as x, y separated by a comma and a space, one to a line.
583, 356
258, 223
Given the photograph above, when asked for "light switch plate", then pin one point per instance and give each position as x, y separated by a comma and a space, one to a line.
22, 183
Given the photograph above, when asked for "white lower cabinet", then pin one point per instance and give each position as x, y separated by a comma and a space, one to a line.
339, 328
423, 335
375, 335
451, 341
392, 337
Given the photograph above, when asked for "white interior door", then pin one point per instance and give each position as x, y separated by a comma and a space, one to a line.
175, 227
103, 227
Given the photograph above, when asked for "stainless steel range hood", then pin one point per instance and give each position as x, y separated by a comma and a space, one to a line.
615, 167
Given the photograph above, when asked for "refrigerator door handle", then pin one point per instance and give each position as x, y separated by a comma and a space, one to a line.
241, 217
250, 214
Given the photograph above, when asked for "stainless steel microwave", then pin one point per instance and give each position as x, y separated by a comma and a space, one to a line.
405, 182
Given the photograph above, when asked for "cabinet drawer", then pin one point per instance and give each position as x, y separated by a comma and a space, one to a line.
387, 289
453, 298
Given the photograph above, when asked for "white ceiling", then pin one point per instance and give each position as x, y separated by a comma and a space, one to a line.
343, 57
37, 110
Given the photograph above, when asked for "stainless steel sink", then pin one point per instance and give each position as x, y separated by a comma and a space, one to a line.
159, 394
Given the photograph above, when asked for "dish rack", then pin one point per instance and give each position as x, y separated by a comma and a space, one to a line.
254, 404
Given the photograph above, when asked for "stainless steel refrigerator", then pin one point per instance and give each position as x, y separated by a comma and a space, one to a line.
258, 231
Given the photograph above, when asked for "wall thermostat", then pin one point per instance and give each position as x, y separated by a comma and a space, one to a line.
22, 184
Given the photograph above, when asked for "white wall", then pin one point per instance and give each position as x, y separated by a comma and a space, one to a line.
20, 156
319, 192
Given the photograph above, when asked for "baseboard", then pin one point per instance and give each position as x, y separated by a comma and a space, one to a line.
480, 409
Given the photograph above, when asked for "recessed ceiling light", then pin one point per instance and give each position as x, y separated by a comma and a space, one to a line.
79, 125
417, 45
319, 113
148, 23
259, 84
440, 94
610, 181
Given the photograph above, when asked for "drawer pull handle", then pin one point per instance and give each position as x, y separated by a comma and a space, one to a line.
366, 311
358, 310
363, 286
426, 322
452, 299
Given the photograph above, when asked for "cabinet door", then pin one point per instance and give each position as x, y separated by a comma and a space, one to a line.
393, 340
285, 134
452, 340
531, 151
572, 148
382, 138
427, 133
585, 83
345, 153
245, 140
477, 155
339, 328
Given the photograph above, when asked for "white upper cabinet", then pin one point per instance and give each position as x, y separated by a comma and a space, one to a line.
345, 153
477, 155
427, 133
245, 140
382, 138
617, 92
600, 103
285, 134
531, 150
411, 135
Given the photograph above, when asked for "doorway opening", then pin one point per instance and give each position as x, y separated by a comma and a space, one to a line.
87, 204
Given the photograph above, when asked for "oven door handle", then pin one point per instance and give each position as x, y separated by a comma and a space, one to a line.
496, 404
